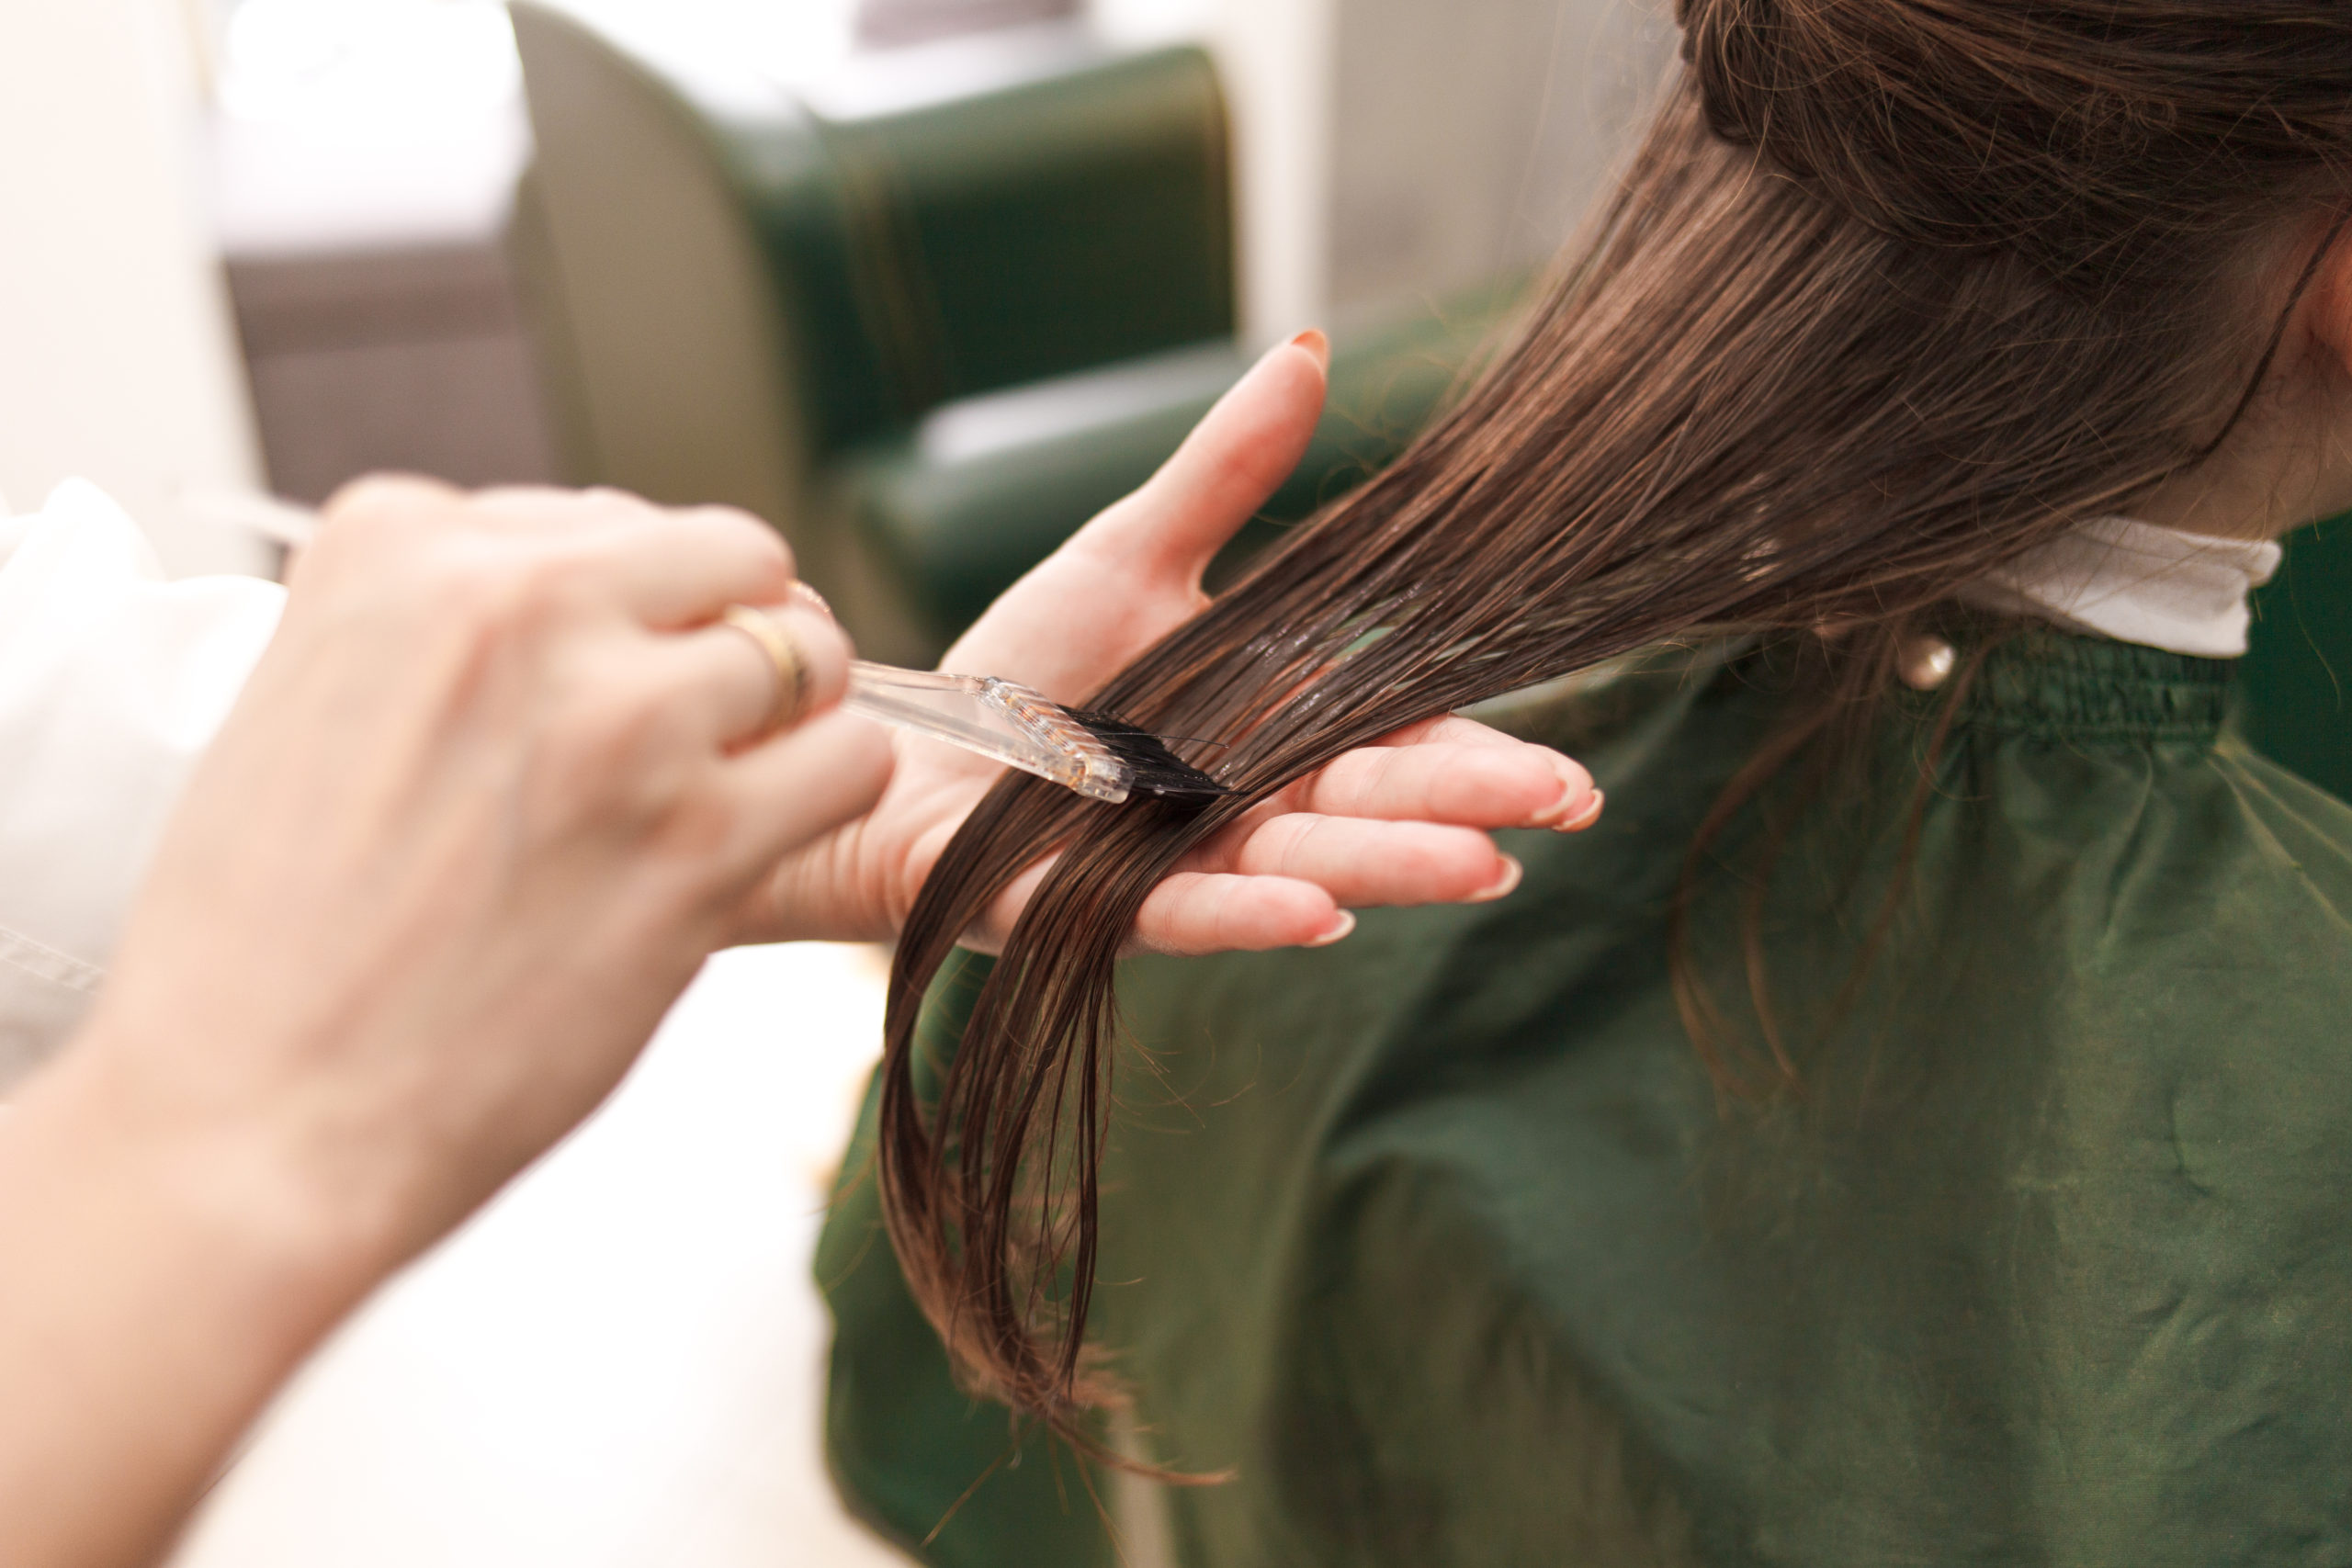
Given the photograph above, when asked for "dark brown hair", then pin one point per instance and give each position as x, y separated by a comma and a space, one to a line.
1892, 291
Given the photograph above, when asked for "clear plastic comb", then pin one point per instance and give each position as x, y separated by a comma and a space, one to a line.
1097, 756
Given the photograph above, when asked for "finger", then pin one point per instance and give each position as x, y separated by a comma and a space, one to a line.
1190, 914
732, 685
399, 496
1451, 729
775, 678
1363, 864
1004, 910
679, 569
667, 566
1226, 469
808, 598
797, 788
1470, 784
553, 507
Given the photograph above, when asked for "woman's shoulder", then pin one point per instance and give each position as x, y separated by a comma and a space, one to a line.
2216, 905
2291, 827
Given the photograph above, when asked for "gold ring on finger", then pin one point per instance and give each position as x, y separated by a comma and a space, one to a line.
784, 658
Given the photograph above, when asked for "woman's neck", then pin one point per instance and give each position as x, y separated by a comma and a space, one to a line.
2288, 461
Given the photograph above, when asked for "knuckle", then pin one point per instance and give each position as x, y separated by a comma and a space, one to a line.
623, 762
381, 519
485, 593
626, 733
374, 498
1449, 859
504, 587
1268, 850
1336, 785
563, 568
1467, 783
701, 823
745, 531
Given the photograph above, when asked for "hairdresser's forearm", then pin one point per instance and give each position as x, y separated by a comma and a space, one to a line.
161, 1278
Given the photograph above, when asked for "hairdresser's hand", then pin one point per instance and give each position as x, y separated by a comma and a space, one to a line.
493, 793
1400, 823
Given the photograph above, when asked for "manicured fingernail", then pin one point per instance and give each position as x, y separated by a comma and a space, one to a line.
808, 598
1316, 344
1339, 931
1585, 819
1503, 886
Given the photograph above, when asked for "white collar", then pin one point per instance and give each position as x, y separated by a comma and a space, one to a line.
2138, 583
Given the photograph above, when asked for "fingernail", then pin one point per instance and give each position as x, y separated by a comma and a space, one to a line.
1574, 798
1503, 886
1316, 344
808, 598
1586, 817
1339, 931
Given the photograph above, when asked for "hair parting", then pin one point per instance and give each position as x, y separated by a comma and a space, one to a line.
1891, 292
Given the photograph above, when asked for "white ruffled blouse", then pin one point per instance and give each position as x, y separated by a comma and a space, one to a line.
2139, 583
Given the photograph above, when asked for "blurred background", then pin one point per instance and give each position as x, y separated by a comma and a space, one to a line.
830, 259
923, 283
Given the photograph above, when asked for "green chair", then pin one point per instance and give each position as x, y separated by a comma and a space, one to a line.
927, 339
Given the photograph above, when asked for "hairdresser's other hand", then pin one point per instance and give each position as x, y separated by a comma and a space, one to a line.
1402, 822
495, 790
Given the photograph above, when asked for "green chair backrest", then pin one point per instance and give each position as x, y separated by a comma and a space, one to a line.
1070, 223
1071, 219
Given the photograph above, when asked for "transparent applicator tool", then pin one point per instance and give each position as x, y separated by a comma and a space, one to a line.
1098, 756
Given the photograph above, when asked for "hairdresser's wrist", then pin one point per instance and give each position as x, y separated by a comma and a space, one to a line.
166, 1275
247, 1191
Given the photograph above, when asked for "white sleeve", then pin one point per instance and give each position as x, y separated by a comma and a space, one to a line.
111, 683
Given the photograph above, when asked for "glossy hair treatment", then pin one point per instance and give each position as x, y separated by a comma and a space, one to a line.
1891, 292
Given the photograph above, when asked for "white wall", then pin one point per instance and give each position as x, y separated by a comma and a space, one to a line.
1389, 151
1467, 138
1276, 60
117, 358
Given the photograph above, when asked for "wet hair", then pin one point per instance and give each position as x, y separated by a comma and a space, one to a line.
1890, 292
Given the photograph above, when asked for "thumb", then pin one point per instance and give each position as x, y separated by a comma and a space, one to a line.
1226, 469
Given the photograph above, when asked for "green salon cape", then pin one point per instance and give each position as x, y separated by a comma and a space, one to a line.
1444, 1245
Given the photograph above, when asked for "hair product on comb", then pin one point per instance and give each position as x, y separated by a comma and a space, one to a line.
1100, 757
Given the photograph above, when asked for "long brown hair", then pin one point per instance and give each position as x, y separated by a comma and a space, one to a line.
1892, 291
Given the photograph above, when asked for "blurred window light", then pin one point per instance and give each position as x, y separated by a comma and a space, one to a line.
359, 60
347, 125
363, 60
